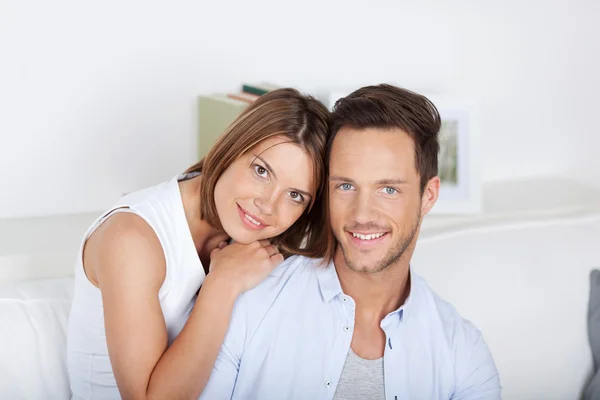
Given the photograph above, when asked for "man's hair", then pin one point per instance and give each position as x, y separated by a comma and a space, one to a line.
389, 107
303, 121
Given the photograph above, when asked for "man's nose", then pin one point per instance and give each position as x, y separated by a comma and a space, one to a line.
364, 209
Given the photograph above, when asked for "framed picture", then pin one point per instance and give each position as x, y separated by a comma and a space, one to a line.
458, 161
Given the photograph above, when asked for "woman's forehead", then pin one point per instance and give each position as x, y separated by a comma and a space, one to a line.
268, 143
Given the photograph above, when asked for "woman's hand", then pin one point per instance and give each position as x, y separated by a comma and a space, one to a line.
243, 266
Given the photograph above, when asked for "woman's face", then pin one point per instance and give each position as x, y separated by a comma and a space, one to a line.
265, 190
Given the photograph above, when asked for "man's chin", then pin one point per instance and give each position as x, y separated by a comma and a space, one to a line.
365, 254
363, 261
363, 268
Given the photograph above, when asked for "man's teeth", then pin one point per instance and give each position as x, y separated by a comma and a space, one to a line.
368, 237
249, 218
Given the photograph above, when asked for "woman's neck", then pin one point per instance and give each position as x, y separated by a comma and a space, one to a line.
206, 238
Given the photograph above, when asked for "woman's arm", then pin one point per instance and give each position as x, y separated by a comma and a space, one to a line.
129, 266
185, 367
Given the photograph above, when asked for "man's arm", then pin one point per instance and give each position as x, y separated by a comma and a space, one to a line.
476, 374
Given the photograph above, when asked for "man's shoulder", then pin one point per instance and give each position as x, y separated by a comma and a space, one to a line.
294, 264
291, 274
291, 269
475, 372
445, 317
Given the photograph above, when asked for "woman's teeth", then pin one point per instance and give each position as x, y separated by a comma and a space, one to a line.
249, 218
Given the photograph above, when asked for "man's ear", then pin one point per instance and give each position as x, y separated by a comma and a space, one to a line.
430, 195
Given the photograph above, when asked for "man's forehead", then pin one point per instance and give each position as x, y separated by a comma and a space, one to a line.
372, 155
387, 146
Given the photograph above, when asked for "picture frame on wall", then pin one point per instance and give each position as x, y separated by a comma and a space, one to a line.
458, 160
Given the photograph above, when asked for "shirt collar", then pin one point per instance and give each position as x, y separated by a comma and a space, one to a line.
410, 304
330, 286
329, 283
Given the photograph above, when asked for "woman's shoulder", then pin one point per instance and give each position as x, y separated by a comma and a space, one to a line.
124, 244
160, 191
126, 228
135, 217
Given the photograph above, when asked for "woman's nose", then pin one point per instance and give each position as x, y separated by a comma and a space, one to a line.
266, 202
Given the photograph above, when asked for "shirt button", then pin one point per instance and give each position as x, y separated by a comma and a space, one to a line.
327, 383
344, 298
346, 328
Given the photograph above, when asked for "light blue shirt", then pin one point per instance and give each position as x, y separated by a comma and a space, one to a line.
289, 338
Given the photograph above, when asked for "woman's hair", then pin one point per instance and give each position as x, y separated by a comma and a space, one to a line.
304, 121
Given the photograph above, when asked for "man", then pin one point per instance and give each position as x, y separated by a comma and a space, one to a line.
363, 326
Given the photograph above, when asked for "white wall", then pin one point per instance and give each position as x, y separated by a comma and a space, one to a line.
99, 99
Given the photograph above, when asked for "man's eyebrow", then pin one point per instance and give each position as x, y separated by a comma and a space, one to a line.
340, 179
268, 166
379, 182
391, 182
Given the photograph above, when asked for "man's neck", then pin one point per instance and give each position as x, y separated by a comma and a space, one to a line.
375, 294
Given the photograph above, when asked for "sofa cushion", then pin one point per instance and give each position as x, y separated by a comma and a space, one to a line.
525, 285
593, 389
34, 317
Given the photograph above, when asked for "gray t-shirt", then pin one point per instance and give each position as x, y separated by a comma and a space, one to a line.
361, 379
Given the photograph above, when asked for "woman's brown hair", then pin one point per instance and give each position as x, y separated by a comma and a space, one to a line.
304, 121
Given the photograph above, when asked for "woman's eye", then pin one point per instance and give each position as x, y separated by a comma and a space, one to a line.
297, 197
261, 171
346, 186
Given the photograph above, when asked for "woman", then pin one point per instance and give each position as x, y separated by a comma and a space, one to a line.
139, 328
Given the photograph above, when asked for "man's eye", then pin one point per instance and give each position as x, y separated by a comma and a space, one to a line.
390, 190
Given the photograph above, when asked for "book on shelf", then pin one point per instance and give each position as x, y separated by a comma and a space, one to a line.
247, 97
258, 89
215, 113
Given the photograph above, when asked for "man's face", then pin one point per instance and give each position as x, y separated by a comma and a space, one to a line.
375, 200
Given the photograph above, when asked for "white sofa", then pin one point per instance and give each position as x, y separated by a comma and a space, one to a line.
526, 286
521, 274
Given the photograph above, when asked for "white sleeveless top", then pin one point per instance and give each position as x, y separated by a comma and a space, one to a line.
161, 206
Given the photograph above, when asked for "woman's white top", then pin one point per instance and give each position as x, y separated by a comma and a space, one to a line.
161, 206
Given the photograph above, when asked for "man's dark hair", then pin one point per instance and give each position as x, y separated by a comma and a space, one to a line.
390, 107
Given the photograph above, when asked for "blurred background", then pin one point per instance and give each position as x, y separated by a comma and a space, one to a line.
100, 98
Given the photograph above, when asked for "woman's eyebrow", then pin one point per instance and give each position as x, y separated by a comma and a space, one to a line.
302, 192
